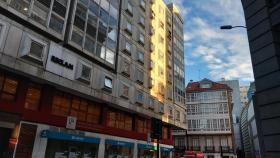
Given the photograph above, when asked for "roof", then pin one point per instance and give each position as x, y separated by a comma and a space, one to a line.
195, 86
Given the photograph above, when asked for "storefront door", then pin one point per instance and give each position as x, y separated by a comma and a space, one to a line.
5, 135
74, 152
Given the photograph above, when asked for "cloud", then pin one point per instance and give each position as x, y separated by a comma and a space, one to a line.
225, 53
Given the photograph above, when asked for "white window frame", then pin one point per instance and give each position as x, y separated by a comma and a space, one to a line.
3, 34
26, 45
104, 83
79, 76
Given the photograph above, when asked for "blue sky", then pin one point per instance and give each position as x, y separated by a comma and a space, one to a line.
210, 52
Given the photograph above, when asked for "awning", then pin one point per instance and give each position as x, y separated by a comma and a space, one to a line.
147, 146
164, 149
70, 137
119, 143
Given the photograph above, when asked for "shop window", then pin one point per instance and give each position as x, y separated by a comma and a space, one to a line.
165, 133
143, 125
119, 120
118, 151
8, 88
33, 97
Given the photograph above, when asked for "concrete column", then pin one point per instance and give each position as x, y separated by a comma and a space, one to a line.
135, 151
101, 149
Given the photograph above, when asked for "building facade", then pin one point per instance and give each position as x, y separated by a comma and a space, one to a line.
209, 106
236, 110
75, 79
249, 127
243, 95
263, 25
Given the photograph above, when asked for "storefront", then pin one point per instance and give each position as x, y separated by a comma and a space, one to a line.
146, 151
166, 152
118, 149
64, 145
9, 128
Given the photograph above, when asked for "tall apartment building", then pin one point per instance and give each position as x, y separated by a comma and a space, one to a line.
263, 26
209, 106
236, 110
243, 95
80, 78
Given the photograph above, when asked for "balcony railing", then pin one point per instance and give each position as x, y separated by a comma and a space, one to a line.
226, 149
194, 148
210, 149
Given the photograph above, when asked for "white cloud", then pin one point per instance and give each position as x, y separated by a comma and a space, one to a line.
226, 53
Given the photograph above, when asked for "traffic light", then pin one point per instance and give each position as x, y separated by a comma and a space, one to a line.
156, 132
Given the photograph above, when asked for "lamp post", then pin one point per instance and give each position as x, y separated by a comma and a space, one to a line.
229, 27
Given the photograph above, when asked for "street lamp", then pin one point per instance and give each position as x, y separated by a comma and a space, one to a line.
228, 27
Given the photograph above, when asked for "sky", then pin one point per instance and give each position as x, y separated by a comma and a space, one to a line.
210, 52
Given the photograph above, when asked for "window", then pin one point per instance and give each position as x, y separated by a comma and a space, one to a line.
170, 112
119, 120
68, 105
142, 21
143, 125
151, 82
83, 72
161, 108
165, 133
139, 98
126, 68
108, 83
143, 4
151, 103
125, 91
205, 85
142, 39
39, 10
33, 49
129, 9
140, 57
128, 28
139, 76
178, 115
33, 97
8, 88
161, 39
128, 48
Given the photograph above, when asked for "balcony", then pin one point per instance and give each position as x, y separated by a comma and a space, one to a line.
226, 149
209, 149
194, 148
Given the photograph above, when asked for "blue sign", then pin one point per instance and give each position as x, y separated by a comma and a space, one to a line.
164, 149
70, 137
147, 146
119, 143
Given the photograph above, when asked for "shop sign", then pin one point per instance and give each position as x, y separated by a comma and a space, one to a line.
61, 62
71, 122
70, 137
119, 143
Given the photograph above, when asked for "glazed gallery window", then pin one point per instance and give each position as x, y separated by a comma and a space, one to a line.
8, 88
95, 28
143, 125
33, 97
113, 151
39, 10
119, 120
67, 105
